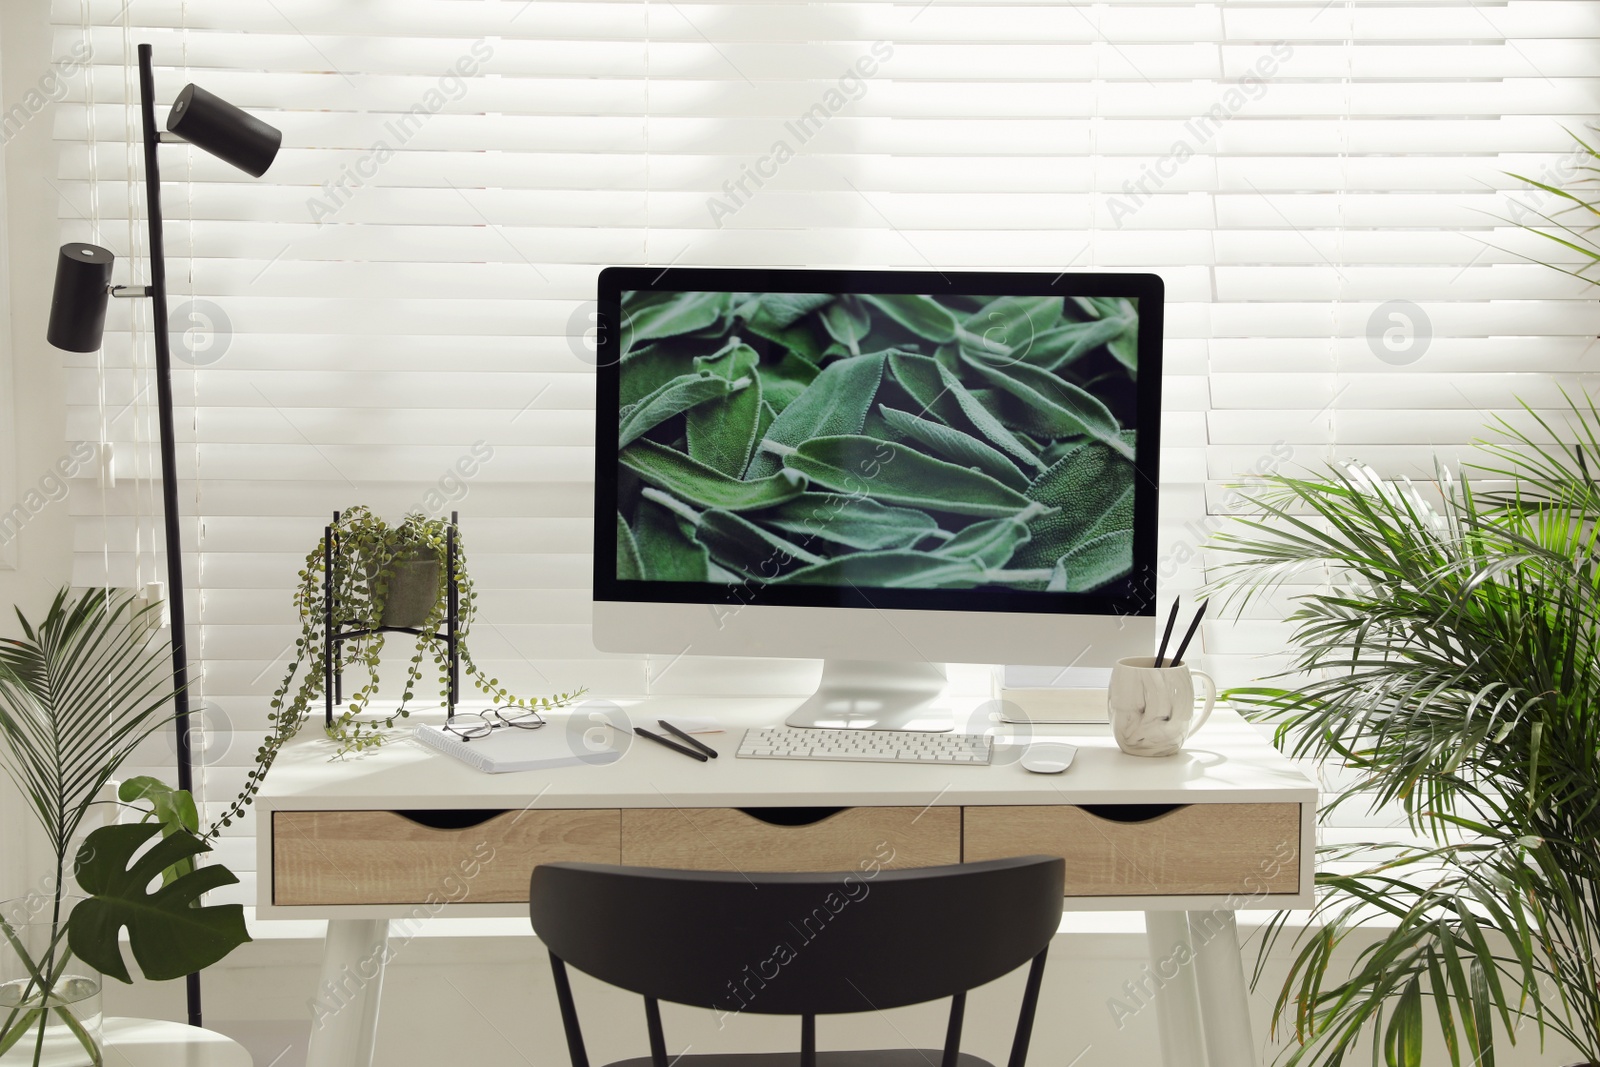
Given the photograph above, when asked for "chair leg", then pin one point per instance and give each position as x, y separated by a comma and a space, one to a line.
952, 1034
1030, 1004
658, 1037
569, 1013
808, 1041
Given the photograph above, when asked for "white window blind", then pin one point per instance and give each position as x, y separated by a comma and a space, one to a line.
8, 453
408, 282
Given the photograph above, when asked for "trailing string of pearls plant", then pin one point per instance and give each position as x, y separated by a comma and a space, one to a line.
377, 568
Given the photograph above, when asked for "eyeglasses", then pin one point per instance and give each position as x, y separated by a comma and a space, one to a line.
492, 719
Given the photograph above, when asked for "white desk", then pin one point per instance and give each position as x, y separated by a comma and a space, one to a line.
403, 834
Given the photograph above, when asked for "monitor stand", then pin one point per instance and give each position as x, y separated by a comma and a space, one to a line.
864, 695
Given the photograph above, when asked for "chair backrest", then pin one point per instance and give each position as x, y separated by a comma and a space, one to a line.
798, 944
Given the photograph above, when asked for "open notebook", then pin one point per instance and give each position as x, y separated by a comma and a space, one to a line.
562, 742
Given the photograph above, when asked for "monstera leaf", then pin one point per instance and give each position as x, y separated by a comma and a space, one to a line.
169, 933
173, 809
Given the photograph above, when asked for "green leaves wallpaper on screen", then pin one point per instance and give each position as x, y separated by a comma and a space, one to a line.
887, 441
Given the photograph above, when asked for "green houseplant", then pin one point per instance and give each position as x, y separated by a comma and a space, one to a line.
397, 575
78, 692
1573, 212
1453, 660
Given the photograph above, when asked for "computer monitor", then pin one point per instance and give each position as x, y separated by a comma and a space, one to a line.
885, 470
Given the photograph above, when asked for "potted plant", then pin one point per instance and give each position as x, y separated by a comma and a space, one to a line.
1453, 661
382, 575
78, 692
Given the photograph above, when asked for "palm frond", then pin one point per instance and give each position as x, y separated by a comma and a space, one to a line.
1449, 653
1571, 222
78, 692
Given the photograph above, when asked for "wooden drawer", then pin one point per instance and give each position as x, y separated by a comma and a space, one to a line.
384, 857
789, 839
1117, 851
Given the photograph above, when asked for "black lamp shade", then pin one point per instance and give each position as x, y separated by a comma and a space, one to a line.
207, 121
78, 307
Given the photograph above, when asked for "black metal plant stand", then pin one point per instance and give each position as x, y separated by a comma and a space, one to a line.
334, 636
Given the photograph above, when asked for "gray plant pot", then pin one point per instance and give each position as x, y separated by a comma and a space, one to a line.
413, 589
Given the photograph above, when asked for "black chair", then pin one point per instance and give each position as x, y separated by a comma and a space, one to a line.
799, 944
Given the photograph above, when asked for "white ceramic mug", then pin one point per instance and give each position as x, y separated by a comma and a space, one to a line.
1152, 708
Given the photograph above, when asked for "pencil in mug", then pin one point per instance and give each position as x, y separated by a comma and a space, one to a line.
1189, 636
1172, 617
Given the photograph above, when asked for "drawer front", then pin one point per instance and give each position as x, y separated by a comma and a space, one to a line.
382, 857
1198, 849
729, 839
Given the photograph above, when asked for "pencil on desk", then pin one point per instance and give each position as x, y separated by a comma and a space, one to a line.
696, 742
658, 739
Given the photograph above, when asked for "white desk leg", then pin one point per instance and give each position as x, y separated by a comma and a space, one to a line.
1176, 1000
344, 1014
1224, 993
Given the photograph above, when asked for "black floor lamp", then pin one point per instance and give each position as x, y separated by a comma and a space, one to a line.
78, 319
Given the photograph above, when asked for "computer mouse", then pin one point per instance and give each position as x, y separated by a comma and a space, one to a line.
1048, 757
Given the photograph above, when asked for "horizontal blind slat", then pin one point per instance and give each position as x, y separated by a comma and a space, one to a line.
1333, 158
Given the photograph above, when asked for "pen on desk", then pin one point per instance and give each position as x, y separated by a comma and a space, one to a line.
696, 742
658, 739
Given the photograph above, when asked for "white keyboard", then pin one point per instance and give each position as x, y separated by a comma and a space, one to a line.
865, 746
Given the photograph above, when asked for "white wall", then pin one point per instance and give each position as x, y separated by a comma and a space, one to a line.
44, 547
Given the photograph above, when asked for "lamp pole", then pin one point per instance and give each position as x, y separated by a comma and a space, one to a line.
169, 474
169, 450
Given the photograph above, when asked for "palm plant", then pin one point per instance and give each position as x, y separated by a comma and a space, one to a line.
1451, 656
78, 693
1573, 215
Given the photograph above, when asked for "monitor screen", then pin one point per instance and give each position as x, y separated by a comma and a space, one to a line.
972, 442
